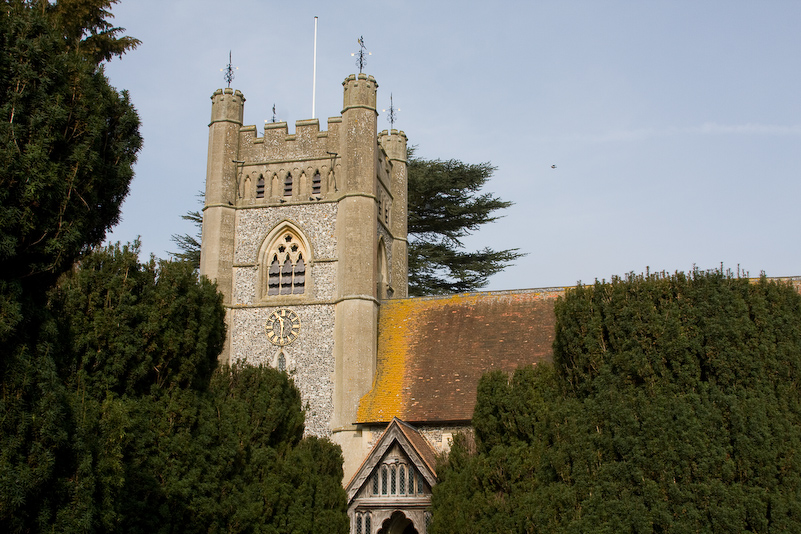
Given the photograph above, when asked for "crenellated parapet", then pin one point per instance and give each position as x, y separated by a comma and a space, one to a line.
227, 105
360, 92
394, 144
277, 143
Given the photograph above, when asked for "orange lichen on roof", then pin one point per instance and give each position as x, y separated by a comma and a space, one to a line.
392, 347
432, 351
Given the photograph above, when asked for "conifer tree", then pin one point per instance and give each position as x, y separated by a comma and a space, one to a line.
672, 405
189, 244
68, 141
190, 447
150, 435
110, 399
446, 205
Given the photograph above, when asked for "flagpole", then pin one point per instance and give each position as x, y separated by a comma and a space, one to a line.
314, 76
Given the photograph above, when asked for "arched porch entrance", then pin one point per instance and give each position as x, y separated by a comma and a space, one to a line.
398, 523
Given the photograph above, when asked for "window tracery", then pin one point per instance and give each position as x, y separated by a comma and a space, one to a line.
287, 274
363, 519
396, 479
283, 263
401, 480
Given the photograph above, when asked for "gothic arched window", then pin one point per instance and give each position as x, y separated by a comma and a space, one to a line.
283, 263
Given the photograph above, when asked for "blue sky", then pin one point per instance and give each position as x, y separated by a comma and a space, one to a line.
675, 127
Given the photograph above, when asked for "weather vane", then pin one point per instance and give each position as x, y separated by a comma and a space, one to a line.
392, 113
361, 54
273, 112
229, 71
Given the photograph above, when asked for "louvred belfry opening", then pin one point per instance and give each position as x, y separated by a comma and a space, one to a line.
317, 183
260, 187
288, 185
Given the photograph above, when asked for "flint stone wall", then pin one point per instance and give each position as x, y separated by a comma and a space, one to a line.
309, 359
317, 221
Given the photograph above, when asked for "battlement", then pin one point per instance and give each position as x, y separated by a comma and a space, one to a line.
227, 105
360, 76
310, 164
360, 92
394, 144
277, 143
308, 142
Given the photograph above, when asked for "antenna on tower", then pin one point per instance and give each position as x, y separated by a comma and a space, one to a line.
229, 71
314, 76
392, 112
361, 55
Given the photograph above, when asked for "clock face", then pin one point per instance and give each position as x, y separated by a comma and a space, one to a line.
283, 327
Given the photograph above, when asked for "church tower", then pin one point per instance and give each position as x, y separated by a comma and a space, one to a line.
305, 235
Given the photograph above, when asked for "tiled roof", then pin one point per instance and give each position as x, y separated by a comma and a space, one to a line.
421, 445
432, 351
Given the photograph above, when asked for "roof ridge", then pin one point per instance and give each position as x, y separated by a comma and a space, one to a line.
488, 293
429, 455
